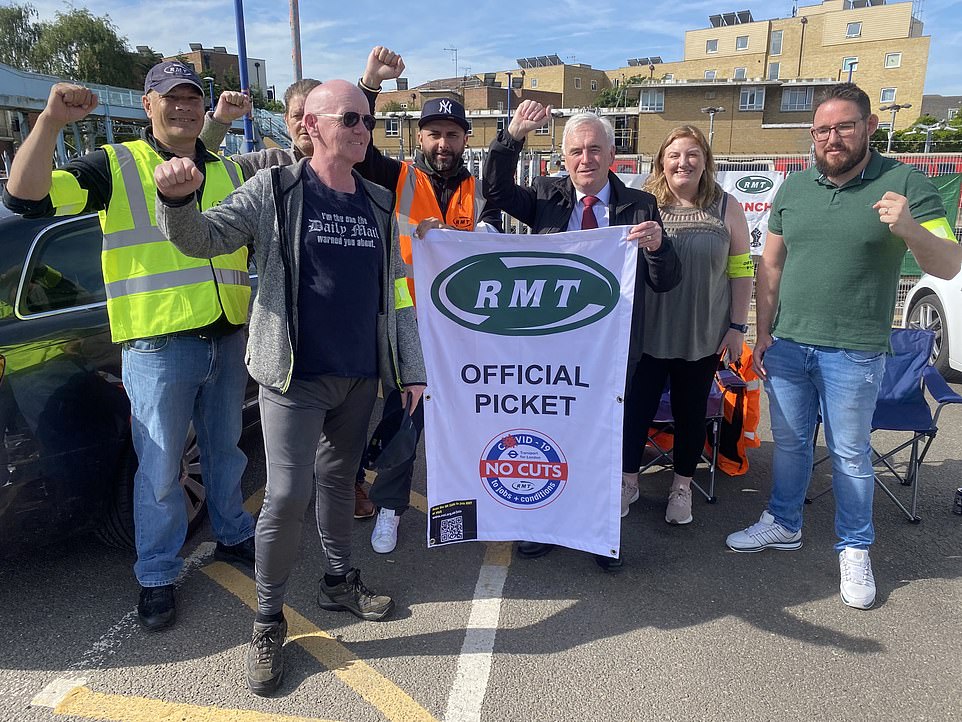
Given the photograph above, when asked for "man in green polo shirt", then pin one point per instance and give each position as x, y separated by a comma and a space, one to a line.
825, 294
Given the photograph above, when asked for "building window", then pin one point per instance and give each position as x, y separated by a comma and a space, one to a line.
711, 46
739, 74
534, 82
652, 100
470, 126
502, 124
953, 113
500, 106
594, 84
887, 96
741, 42
543, 130
709, 75
797, 98
668, 76
893, 60
752, 98
577, 83
775, 43
848, 62
853, 30
773, 71
392, 127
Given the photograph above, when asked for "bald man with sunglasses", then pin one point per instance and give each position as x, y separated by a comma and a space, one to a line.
332, 316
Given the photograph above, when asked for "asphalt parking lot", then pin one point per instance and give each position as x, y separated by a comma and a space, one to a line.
687, 630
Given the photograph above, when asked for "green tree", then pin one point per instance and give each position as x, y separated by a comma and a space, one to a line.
18, 35
615, 97
80, 46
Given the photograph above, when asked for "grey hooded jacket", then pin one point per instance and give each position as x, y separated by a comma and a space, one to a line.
249, 215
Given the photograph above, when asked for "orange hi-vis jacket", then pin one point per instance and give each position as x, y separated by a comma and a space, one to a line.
416, 201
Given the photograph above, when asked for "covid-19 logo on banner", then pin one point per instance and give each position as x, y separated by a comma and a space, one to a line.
523, 469
525, 293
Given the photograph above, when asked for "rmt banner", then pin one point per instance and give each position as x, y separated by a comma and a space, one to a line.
525, 339
755, 191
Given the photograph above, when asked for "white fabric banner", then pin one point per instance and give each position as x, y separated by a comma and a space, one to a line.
525, 339
755, 191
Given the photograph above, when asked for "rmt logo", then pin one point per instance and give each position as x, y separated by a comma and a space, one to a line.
525, 293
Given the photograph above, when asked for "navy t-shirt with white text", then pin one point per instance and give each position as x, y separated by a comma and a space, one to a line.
339, 283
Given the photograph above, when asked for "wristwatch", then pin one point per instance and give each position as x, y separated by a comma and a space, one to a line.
743, 327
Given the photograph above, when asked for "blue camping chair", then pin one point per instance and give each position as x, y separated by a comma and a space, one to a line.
902, 407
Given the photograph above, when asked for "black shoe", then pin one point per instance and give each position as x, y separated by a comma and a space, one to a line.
609, 564
242, 553
533, 550
352, 596
265, 657
156, 610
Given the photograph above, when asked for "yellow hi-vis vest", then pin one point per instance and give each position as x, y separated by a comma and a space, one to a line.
153, 288
416, 201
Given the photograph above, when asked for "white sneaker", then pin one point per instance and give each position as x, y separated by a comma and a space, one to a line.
629, 492
384, 536
766, 533
679, 506
858, 582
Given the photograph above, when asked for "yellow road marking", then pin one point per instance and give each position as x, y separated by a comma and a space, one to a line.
82, 702
255, 501
419, 502
498, 554
392, 701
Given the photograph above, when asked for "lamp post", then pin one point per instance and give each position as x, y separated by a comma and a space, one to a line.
242, 69
895, 108
257, 75
852, 67
927, 129
554, 114
711, 110
210, 89
509, 95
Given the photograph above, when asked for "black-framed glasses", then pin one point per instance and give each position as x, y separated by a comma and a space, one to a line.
351, 118
843, 130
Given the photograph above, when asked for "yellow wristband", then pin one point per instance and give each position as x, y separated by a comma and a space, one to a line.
741, 266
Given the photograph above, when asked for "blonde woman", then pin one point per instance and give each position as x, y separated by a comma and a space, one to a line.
688, 329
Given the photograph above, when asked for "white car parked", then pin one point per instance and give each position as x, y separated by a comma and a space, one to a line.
936, 304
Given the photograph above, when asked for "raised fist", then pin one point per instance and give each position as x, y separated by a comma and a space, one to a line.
178, 178
232, 105
382, 64
529, 116
68, 103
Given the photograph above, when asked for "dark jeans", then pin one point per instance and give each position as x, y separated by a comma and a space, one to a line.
392, 490
313, 435
690, 385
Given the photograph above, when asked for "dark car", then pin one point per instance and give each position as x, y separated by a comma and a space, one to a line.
66, 460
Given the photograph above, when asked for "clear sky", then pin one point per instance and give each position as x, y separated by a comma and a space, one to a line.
336, 37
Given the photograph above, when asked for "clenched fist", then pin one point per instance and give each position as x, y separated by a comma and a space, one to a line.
178, 178
232, 105
382, 64
68, 103
529, 116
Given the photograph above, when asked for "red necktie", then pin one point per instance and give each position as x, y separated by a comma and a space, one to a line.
588, 219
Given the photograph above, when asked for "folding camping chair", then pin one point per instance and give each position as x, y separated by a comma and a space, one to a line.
902, 407
714, 414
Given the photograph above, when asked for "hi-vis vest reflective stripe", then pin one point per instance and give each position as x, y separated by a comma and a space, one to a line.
152, 288
416, 201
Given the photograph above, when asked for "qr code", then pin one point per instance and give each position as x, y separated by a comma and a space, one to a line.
452, 529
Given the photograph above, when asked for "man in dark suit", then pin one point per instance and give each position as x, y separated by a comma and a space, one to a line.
590, 196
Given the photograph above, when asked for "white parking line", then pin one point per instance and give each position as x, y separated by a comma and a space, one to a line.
93, 660
474, 662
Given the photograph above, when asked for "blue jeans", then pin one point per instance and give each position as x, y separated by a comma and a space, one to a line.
171, 381
844, 384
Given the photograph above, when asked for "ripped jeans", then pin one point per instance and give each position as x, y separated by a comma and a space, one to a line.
844, 385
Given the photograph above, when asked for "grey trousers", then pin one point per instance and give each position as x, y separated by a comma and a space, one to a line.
313, 436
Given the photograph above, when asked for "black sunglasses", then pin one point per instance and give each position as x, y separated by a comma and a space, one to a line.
350, 119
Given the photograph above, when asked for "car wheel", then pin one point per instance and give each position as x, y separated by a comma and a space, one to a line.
927, 313
117, 525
